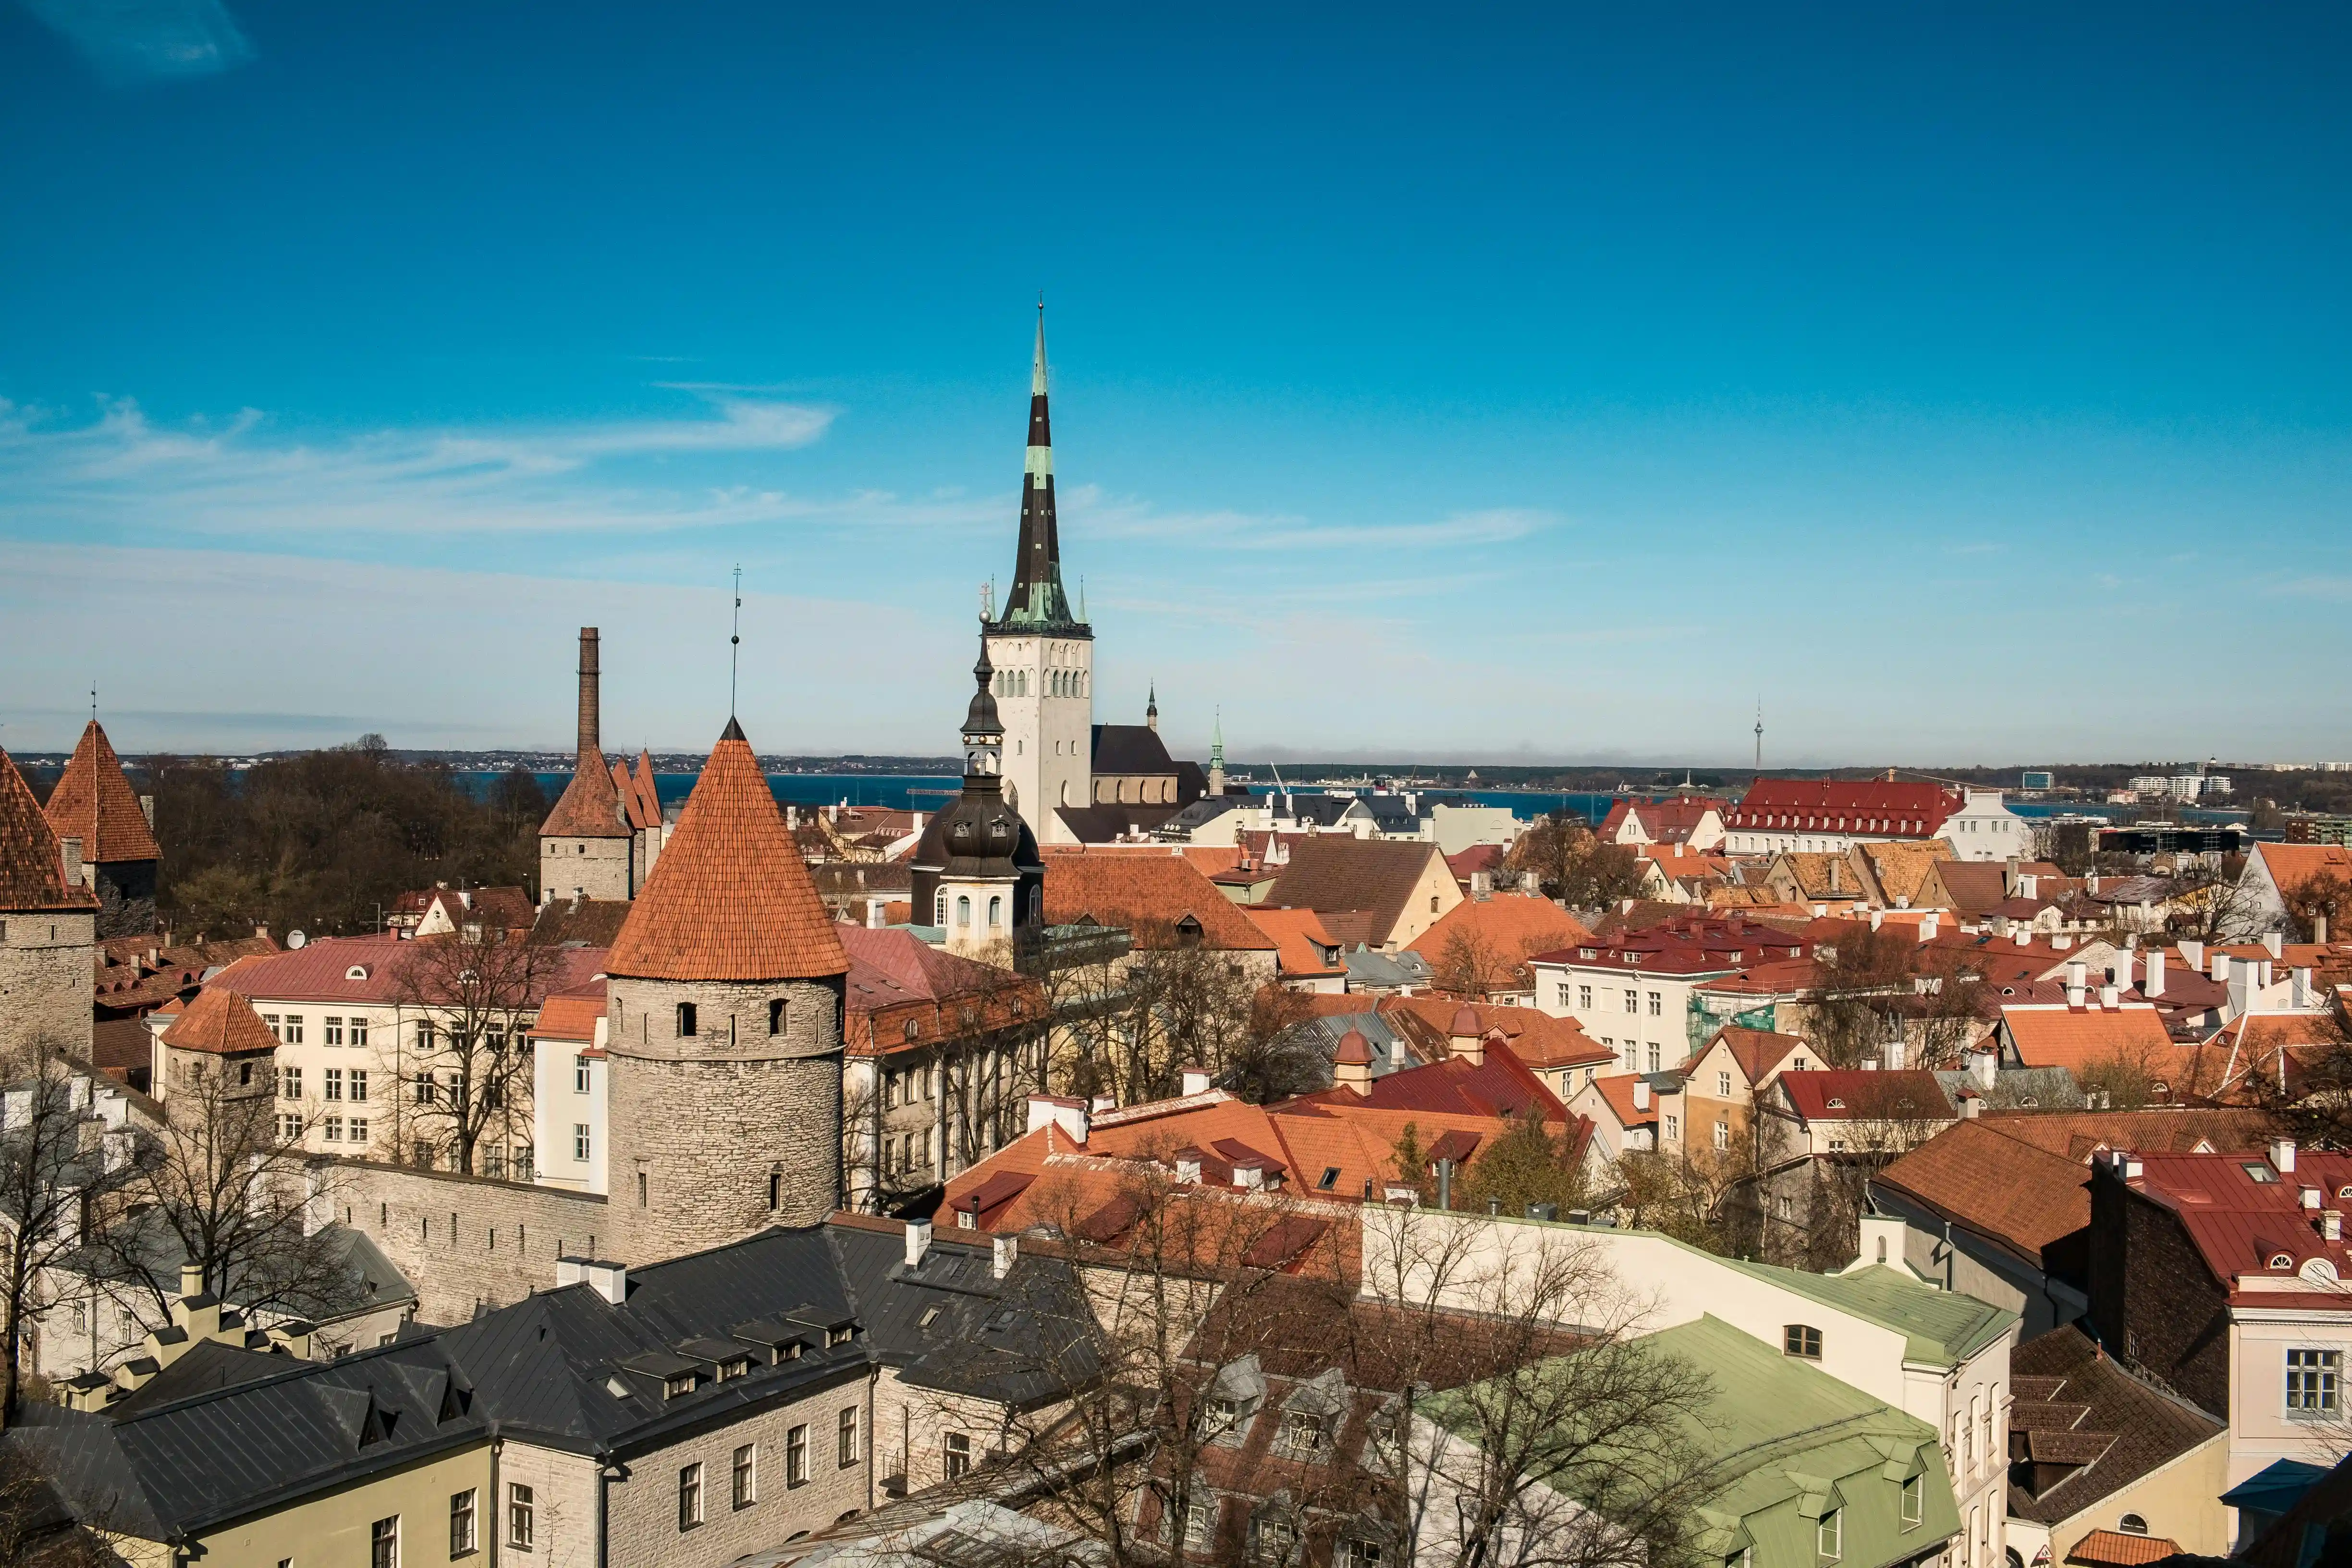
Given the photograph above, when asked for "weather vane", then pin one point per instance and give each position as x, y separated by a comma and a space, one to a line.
735, 643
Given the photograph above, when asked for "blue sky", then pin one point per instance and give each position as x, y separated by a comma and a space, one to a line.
1969, 384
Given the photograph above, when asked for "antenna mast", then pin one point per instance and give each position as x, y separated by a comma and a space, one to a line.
735, 643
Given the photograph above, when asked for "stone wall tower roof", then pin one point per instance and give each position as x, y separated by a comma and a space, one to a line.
32, 864
729, 898
94, 803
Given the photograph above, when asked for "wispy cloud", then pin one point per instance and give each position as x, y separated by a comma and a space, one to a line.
1106, 517
131, 41
244, 477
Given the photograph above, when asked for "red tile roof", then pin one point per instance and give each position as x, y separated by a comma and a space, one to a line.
571, 1017
32, 867
2292, 865
1757, 1051
2079, 1039
2080, 1135
2246, 1228
367, 970
892, 969
1146, 894
729, 898
93, 801
1498, 1086
590, 806
1666, 821
220, 1022
1852, 1095
1616, 1091
1684, 944
1874, 806
1537, 1038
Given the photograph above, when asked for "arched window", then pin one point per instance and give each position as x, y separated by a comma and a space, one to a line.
964, 909
2132, 1524
940, 910
1801, 1340
995, 913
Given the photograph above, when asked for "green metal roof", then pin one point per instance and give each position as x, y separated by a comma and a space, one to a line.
1944, 1328
1788, 1444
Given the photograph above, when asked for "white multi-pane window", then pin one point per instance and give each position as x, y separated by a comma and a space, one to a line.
293, 1028
1632, 1000
1584, 996
1723, 1086
289, 1083
334, 1077
579, 1141
2311, 1382
330, 1030
359, 1083
579, 1075
289, 1127
359, 1129
332, 1131
1657, 1004
359, 1032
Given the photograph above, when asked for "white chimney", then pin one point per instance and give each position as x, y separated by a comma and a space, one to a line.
2331, 1225
918, 1241
2152, 986
2109, 998
610, 1281
2192, 954
2277, 941
873, 914
2282, 1156
2305, 996
2310, 1197
1895, 1055
2221, 967
2077, 982
1971, 1105
1194, 1081
1986, 1065
1641, 1094
1005, 1253
1071, 1116
570, 1270
1928, 927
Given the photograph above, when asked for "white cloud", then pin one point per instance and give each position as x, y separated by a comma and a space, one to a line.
131, 41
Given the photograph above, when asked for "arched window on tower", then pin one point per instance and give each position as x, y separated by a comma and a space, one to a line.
963, 911
995, 913
940, 910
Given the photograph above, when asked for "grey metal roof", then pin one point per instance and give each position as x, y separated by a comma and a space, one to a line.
567, 1369
1390, 1052
1367, 968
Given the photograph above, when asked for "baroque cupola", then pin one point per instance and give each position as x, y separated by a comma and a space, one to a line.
977, 869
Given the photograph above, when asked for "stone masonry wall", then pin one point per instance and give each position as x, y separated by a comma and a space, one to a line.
642, 1512
126, 896
599, 867
46, 969
466, 1241
700, 1123
562, 1507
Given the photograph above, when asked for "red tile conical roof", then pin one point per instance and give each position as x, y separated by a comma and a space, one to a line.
222, 1022
590, 806
94, 803
729, 898
32, 867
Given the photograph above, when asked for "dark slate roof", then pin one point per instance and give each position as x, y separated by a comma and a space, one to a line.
1106, 823
216, 1436
2077, 1407
1131, 749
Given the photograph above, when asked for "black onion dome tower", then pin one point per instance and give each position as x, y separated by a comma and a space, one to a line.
977, 873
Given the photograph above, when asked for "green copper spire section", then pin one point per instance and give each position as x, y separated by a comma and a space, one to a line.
1037, 600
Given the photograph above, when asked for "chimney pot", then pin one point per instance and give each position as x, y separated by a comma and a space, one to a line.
1005, 1253
2331, 1225
2153, 985
918, 1241
1641, 1094
2282, 1156
2277, 941
610, 1281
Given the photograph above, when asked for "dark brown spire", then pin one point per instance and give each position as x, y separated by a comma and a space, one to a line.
1037, 597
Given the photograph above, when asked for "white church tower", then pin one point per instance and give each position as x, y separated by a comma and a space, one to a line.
1042, 656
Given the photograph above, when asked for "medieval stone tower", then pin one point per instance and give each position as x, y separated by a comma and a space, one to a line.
586, 846
46, 941
725, 995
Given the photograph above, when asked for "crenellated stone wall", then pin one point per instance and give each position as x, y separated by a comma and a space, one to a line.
47, 969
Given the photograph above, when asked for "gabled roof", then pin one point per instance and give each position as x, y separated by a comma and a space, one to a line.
1853, 1095
2078, 1038
94, 803
729, 898
1616, 1091
221, 1022
2062, 1384
571, 1016
1757, 1051
1302, 942
2244, 1224
1149, 895
1514, 926
2292, 865
1332, 872
1497, 1085
590, 806
1123, 749
32, 864
1944, 1327
1537, 1038
369, 969
2017, 1194
1875, 806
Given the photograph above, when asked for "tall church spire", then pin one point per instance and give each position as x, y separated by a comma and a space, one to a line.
1037, 597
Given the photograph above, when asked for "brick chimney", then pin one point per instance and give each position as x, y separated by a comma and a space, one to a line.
590, 713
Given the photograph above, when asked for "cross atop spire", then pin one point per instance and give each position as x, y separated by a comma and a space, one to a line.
1037, 598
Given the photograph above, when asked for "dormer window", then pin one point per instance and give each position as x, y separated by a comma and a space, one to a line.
739, 1367
676, 1386
1802, 1341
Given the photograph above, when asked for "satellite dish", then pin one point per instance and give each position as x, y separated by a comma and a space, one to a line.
295, 938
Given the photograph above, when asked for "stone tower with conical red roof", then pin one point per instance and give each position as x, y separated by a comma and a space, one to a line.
46, 941
95, 804
723, 1029
586, 846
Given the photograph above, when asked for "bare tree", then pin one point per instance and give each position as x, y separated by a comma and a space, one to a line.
1125, 1023
2316, 904
53, 1180
1569, 862
2214, 902
475, 992
227, 1176
38, 1529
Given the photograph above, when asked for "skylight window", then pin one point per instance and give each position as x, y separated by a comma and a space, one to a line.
2260, 1173
1331, 1179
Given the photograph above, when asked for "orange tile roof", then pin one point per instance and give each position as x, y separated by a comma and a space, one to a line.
1757, 1051
1616, 1091
1516, 925
1537, 1038
1295, 933
221, 1022
571, 1017
590, 806
2292, 865
94, 803
1145, 894
2079, 1135
2073, 1039
729, 898
32, 870
2013, 1192
2114, 1548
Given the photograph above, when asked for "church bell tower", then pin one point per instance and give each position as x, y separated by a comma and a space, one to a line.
1040, 653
